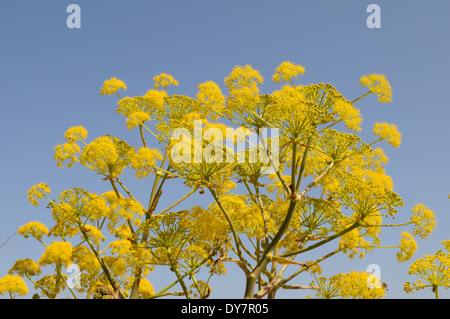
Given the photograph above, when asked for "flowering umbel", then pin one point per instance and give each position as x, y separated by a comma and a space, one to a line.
283, 173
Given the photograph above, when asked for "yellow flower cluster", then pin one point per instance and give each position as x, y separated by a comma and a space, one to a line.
68, 151
111, 86
75, 133
287, 71
57, 253
211, 99
37, 192
86, 260
137, 118
349, 114
288, 102
145, 289
423, 219
243, 86
434, 269
13, 285
408, 247
155, 99
351, 241
140, 109
94, 234
33, 229
357, 285
164, 80
145, 161
378, 85
107, 154
25, 267
388, 132
353, 285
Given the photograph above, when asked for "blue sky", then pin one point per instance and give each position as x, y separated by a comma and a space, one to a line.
51, 77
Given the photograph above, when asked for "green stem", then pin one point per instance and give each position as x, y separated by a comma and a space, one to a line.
38, 286
253, 276
263, 213
141, 131
157, 178
179, 277
302, 167
365, 94
102, 263
293, 164
177, 202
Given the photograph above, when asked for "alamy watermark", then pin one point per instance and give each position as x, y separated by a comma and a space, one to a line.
74, 19
74, 279
374, 280
374, 19
213, 145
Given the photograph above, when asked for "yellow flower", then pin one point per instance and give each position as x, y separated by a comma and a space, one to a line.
351, 241
164, 80
446, 244
287, 102
37, 192
379, 85
286, 71
380, 154
349, 114
156, 99
25, 267
86, 259
356, 285
93, 233
435, 269
145, 161
14, 285
423, 219
112, 85
408, 247
210, 98
145, 289
243, 86
137, 118
73, 134
34, 229
120, 247
388, 132
108, 155
65, 152
57, 252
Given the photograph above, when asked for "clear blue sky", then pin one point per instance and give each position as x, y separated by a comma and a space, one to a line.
51, 77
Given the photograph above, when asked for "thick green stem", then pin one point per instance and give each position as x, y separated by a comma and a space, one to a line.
141, 131
302, 166
253, 276
294, 165
436, 293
